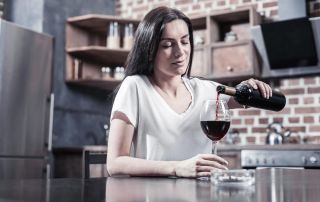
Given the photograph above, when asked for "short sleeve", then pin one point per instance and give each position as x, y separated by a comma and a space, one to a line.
126, 100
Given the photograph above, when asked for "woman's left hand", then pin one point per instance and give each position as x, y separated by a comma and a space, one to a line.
264, 88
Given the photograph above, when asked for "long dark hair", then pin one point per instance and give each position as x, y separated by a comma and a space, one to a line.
147, 38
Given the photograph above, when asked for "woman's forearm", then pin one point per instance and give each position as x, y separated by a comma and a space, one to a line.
125, 165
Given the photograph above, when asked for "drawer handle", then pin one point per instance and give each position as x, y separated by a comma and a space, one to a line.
230, 69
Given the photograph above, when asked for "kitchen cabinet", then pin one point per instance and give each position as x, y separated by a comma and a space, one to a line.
87, 49
232, 58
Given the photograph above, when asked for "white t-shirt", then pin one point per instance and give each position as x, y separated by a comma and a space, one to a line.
160, 132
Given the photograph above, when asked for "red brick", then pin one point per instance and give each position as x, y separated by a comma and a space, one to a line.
249, 121
293, 101
259, 129
309, 81
235, 121
314, 90
241, 130
283, 111
278, 119
138, 9
196, 7
308, 100
263, 121
251, 139
297, 128
270, 4
249, 112
293, 82
314, 128
234, 1
155, 5
293, 119
183, 2
294, 91
221, 3
307, 110
308, 119
208, 5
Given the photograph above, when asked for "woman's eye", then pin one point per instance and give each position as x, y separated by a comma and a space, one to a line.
185, 42
167, 44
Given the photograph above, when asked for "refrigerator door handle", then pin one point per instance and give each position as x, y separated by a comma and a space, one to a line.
51, 122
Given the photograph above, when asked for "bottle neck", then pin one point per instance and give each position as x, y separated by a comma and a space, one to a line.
226, 90
230, 91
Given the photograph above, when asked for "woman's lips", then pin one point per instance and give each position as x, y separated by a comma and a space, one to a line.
179, 63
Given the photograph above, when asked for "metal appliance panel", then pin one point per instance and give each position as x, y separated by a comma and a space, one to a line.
25, 86
18, 168
280, 158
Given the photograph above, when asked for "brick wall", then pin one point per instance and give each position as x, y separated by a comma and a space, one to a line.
302, 112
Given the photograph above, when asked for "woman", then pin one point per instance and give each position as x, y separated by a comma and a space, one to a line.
155, 129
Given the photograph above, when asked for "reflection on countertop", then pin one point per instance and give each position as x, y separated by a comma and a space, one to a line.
270, 185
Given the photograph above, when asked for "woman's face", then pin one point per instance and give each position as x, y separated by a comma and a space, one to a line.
174, 50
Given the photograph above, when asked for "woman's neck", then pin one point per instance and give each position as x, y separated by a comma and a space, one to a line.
169, 85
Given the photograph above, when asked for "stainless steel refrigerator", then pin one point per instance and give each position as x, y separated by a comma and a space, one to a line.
26, 102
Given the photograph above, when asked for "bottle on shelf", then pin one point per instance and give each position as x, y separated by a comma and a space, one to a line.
119, 73
113, 38
128, 36
106, 73
247, 96
77, 69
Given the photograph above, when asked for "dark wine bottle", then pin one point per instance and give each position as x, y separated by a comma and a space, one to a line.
246, 95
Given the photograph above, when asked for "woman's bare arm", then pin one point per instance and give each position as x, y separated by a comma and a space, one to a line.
119, 160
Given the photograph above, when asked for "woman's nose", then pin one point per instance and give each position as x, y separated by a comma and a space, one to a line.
178, 50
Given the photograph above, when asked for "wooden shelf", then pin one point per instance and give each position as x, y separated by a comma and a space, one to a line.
98, 23
101, 84
100, 54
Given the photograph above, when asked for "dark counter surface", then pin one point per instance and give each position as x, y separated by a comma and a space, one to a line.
271, 185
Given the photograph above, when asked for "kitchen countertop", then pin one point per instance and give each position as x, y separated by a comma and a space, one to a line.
271, 185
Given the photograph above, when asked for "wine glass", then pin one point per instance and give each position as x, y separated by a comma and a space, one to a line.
215, 120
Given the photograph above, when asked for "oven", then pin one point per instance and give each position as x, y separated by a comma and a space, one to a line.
299, 158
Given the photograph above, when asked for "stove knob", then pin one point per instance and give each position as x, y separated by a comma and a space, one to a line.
304, 160
313, 159
265, 161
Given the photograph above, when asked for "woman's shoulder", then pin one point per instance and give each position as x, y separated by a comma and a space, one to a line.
133, 80
201, 82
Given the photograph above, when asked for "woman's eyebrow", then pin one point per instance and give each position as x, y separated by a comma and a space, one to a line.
172, 39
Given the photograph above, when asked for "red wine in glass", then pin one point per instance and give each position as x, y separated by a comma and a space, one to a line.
215, 120
215, 130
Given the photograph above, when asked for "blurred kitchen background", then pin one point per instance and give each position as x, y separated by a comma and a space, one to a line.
84, 73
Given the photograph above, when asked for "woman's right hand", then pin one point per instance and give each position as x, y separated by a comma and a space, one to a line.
200, 165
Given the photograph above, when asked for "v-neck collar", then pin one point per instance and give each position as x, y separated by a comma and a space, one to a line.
165, 103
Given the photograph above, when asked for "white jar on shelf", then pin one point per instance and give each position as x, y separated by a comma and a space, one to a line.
113, 38
119, 73
128, 36
106, 73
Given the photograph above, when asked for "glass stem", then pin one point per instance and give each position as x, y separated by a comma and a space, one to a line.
214, 147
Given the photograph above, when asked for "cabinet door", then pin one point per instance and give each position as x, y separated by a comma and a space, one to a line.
234, 59
200, 65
